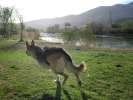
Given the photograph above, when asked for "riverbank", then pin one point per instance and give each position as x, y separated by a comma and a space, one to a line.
21, 45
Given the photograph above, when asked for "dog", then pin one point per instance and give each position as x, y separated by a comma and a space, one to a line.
56, 59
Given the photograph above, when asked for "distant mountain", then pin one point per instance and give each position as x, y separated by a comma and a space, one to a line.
103, 14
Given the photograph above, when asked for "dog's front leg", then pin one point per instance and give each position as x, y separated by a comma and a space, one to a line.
57, 78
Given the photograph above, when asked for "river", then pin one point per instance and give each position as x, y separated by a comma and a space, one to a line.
102, 41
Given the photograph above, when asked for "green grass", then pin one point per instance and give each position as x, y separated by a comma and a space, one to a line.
6, 43
22, 79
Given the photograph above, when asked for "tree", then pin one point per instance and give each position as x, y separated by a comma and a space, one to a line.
21, 27
57, 28
70, 34
31, 33
0, 17
54, 29
127, 26
67, 25
87, 35
5, 16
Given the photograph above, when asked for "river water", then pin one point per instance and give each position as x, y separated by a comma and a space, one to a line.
102, 41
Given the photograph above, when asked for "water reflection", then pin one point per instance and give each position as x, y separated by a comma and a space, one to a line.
50, 37
101, 41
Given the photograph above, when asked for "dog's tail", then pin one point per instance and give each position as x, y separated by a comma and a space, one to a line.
81, 67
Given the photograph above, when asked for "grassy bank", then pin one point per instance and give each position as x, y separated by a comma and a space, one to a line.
6, 43
109, 76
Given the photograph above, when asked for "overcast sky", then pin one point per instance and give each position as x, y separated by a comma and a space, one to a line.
36, 9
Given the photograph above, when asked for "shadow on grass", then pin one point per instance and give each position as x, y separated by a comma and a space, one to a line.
57, 93
47, 97
84, 95
67, 94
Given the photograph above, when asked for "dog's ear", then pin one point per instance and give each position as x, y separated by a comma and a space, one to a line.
27, 44
32, 43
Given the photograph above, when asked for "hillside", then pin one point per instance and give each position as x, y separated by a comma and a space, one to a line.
103, 14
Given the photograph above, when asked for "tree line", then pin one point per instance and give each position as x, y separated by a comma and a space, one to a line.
11, 23
7, 22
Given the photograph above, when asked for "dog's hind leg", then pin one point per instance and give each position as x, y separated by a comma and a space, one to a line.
65, 77
78, 79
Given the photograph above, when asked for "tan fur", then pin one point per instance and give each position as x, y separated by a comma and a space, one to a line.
57, 61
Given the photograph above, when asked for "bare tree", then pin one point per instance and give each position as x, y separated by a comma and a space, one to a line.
20, 17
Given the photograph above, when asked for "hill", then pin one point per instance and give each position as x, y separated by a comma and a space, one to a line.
102, 14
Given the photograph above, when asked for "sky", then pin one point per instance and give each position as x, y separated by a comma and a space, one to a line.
38, 9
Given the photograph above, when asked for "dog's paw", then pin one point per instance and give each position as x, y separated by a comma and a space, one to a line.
79, 83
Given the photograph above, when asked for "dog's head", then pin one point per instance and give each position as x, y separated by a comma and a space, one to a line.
30, 48
33, 50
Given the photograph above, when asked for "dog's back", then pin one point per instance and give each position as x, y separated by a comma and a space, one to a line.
56, 51
55, 58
